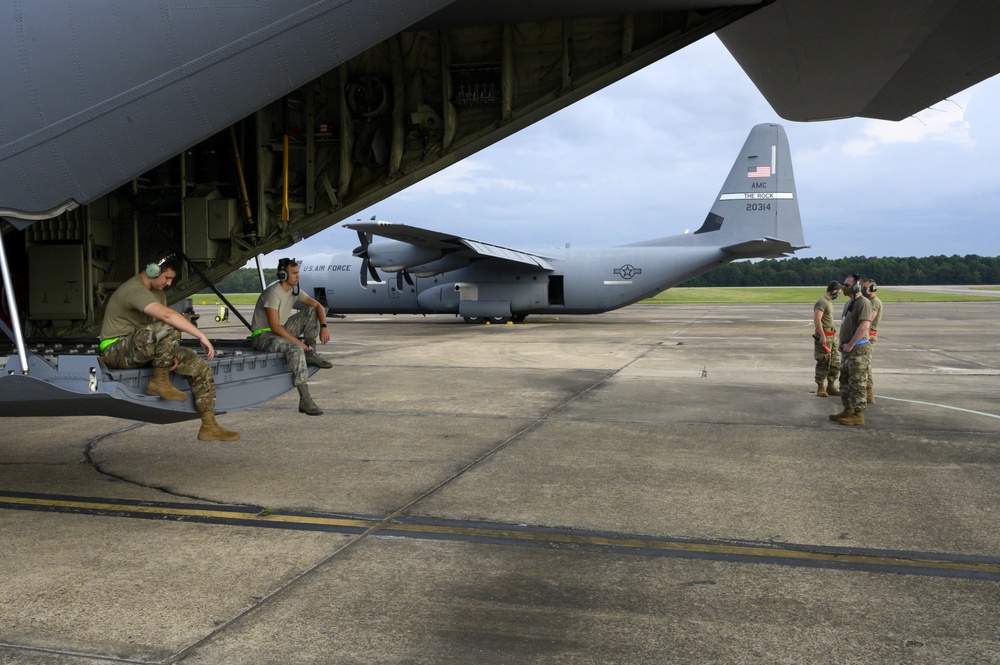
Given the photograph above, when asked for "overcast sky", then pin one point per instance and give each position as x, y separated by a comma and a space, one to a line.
646, 157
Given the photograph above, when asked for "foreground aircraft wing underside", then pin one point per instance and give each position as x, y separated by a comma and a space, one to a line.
449, 244
882, 59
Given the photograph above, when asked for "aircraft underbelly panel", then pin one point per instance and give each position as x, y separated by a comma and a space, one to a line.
146, 83
82, 386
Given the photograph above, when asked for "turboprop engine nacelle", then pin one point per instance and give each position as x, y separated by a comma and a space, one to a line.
445, 297
393, 255
444, 264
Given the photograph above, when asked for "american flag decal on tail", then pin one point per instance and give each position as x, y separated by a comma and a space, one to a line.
759, 172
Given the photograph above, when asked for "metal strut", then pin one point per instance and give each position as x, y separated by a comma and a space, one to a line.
15, 317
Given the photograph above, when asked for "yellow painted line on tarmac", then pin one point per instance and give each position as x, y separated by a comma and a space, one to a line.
775, 551
203, 513
502, 534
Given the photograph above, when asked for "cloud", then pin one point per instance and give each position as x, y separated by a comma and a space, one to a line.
944, 122
468, 176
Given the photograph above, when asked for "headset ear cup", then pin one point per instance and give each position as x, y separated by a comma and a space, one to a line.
282, 275
153, 271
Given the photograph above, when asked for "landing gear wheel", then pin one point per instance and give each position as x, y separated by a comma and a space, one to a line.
519, 318
497, 319
473, 319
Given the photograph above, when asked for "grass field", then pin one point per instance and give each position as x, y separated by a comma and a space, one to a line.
234, 298
792, 294
797, 294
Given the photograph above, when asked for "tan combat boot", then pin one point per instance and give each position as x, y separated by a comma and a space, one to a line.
213, 431
306, 403
820, 390
316, 360
160, 385
870, 399
831, 389
843, 414
856, 418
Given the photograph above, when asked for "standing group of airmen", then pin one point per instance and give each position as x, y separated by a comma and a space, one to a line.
849, 355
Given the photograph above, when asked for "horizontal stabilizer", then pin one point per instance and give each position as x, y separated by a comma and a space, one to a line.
763, 248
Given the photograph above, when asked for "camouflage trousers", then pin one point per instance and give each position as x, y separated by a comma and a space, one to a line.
827, 363
871, 376
304, 324
160, 344
854, 377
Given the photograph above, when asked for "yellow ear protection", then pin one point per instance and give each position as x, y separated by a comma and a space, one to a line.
283, 269
153, 270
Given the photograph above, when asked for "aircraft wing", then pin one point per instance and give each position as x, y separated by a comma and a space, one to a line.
872, 58
763, 248
448, 243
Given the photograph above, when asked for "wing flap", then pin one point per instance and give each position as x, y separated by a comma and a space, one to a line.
506, 254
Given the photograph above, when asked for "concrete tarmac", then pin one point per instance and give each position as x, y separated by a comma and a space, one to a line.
658, 484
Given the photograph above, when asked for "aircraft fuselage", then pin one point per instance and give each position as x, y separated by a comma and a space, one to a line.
583, 281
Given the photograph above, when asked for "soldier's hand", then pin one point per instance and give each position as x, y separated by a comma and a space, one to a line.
324, 335
207, 346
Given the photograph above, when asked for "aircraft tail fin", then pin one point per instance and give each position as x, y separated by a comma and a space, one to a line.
757, 211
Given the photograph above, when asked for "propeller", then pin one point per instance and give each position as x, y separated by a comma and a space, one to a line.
400, 276
362, 253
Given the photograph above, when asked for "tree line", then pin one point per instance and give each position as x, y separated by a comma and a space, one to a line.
969, 269
244, 280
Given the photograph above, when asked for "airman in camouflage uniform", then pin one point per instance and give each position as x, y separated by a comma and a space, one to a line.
870, 287
139, 329
855, 354
825, 342
160, 343
276, 330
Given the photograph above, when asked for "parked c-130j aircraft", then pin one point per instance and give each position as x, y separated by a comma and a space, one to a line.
755, 215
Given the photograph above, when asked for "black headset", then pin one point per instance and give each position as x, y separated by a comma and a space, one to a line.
856, 286
154, 269
283, 268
